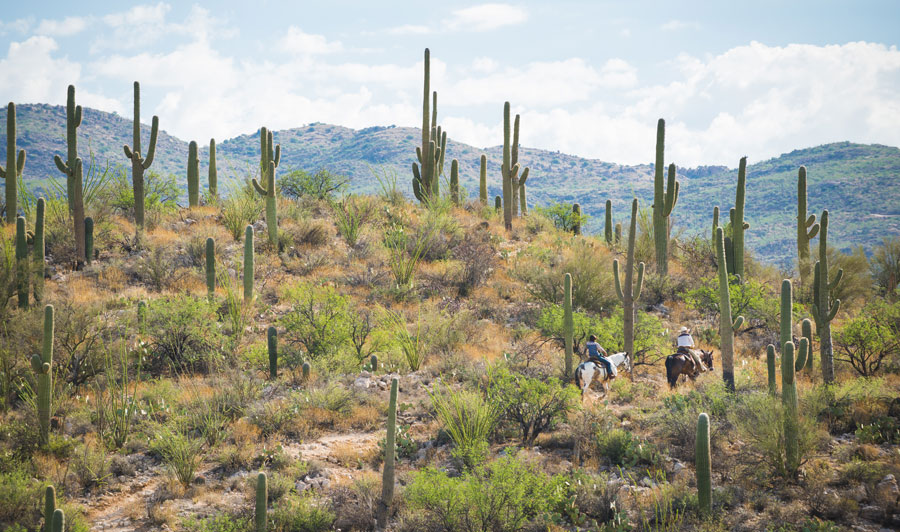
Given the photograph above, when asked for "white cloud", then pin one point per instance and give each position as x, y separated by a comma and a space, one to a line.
618, 73
62, 28
484, 64
20, 25
675, 25
298, 42
409, 29
487, 17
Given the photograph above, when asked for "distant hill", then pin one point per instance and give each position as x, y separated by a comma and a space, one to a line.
859, 184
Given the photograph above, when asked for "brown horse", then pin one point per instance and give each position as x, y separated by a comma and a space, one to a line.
680, 364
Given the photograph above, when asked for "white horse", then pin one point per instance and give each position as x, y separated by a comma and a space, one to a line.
588, 371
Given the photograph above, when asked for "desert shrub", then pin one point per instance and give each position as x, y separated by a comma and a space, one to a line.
469, 419
364, 333
321, 185
676, 421
658, 289
844, 406
752, 299
440, 232
7, 272
179, 451
884, 429
317, 319
412, 345
856, 285
535, 223
160, 195
301, 513
504, 495
90, 465
331, 397
272, 417
478, 256
562, 216
535, 405
885, 267
219, 523
242, 207
80, 334
306, 231
184, 333
19, 497
351, 214
623, 448
865, 341
157, 268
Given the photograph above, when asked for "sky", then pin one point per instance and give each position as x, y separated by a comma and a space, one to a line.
589, 78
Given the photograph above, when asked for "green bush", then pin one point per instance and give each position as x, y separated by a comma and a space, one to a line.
752, 299
184, 334
622, 448
676, 421
300, 513
179, 451
871, 337
469, 419
219, 523
160, 195
317, 319
885, 267
321, 185
535, 405
504, 495
562, 216
19, 496
242, 207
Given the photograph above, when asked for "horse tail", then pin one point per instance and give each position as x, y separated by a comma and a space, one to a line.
670, 371
578, 377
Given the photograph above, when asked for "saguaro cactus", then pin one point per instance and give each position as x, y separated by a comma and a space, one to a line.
430, 155
727, 326
78, 212
21, 262
608, 227
269, 152
49, 507
454, 182
806, 332
576, 222
387, 477
304, 370
42, 365
738, 225
790, 402
665, 196
517, 181
262, 501
88, 240
770, 369
210, 267
269, 192
498, 203
213, 175
38, 251
806, 229
14, 165
523, 195
248, 264
506, 171
59, 521
482, 181
627, 292
568, 324
703, 465
73, 121
138, 163
715, 223
824, 305
618, 235
272, 344
193, 175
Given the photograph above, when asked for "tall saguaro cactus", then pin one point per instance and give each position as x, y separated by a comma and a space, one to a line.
59, 521
272, 345
727, 326
806, 332
262, 502
14, 165
806, 228
454, 182
78, 212
387, 477
703, 465
88, 240
248, 264
213, 174
627, 292
210, 267
73, 121
482, 181
608, 227
738, 225
568, 324
38, 251
665, 196
770, 370
22, 275
193, 175
42, 365
518, 181
824, 305
430, 155
576, 215
269, 152
269, 192
139, 163
49, 507
790, 403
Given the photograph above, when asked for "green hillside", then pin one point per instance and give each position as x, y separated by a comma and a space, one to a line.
857, 183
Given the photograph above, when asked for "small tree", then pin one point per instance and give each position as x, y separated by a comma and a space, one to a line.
535, 405
865, 341
317, 319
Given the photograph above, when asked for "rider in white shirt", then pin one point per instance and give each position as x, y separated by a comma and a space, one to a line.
685, 344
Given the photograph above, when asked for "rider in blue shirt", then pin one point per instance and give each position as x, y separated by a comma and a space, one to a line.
598, 355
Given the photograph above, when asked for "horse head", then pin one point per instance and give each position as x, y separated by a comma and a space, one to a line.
707, 358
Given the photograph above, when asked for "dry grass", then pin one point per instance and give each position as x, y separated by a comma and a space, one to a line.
351, 455
362, 417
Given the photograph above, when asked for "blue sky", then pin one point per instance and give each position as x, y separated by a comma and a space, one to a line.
588, 78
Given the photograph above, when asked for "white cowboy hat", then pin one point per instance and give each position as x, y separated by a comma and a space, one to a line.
683, 330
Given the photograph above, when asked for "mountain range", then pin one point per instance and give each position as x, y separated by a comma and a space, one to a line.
859, 184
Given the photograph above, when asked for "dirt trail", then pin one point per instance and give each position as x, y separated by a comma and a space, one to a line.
112, 511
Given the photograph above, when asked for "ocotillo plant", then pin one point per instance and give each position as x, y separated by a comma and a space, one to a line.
213, 175
269, 192
770, 370
42, 365
210, 267
78, 212
454, 182
59, 521
665, 196
703, 465
608, 227
576, 215
790, 403
806, 229
272, 344
138, 163
49, 507
727, 326
568, 323
21, 262
14, 165
248, 264
482, 181
88, 240
629, 293
738, 225
430, 155
193, 175
38, 251
387, 477
73, 120
824, 305
806, 331
262, 501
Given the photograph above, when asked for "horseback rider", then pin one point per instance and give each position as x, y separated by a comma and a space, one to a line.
685, 342
597, 355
